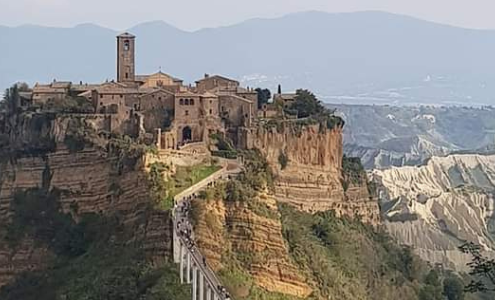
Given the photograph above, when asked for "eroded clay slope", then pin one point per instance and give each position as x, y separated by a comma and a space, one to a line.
438, 206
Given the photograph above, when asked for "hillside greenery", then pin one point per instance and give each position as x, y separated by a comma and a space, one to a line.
92, 258
307, 105
346, 259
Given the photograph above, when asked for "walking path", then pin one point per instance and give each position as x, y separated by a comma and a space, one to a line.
205, 284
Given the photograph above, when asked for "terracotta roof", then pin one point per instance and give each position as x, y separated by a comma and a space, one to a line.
126, 35
40, 89
218, 77
149, 91
85, 87
235, 97
116, 88
209, 95
60, 84
186, 94
143, 78
285, 96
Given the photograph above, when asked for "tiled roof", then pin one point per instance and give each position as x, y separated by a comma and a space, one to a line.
209, 95
126, 35
217, 77
186, 94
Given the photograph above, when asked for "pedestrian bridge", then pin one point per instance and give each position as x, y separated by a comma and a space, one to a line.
193, 266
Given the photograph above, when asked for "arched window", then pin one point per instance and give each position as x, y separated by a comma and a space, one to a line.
126, 46
187, 102
191, 101
181, 101
211, 111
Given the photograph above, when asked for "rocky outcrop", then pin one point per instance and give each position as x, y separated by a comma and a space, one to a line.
89, 183
311, 177
437, 207
252, 233
57, 152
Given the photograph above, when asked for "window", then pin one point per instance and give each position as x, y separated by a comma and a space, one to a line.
187, 102
211, 111
126, 75
181, 101
191, 101
126, 46
159, 98
211, 101
121, 96
187, 113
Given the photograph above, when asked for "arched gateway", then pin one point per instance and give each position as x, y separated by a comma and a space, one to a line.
186, 134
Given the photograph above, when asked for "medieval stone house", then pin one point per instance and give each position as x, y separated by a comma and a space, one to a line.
177, 113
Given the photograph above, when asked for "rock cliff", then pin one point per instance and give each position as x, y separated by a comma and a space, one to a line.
91, 180
437, 207
251, 235
306, 160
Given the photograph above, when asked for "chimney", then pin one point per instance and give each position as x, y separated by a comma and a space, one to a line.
207, 75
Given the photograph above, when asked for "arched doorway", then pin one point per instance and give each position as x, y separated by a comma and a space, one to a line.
186, 134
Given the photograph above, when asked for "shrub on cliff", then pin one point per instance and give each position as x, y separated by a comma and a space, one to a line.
94, 260
309, 107
283, 160
352, 172
79, 105
348, 260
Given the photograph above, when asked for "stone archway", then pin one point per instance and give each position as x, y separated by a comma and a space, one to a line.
186, 134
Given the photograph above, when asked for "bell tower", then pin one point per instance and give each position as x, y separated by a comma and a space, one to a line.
125, 57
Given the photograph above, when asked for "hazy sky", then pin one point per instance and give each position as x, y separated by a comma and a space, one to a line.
194, 14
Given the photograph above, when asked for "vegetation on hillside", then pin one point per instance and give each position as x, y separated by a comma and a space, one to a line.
345, 259
482, 270
93, 260
307, 105
225, 147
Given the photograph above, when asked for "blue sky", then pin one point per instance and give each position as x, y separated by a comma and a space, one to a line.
195, 14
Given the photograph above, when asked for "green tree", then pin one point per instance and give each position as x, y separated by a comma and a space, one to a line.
482, 269
307, 104
433, 287
453, 288
263, 96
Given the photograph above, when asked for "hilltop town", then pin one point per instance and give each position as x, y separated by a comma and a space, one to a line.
160, 106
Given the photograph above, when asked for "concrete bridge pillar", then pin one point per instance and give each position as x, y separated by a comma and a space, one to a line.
208, 292
188, 268
182, 253
201, 286
195, 283
176, 245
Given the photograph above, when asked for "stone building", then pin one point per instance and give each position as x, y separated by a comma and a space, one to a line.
175, 113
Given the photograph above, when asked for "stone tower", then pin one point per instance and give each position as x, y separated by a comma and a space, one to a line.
125, 57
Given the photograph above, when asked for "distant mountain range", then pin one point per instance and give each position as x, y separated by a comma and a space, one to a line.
365, 57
